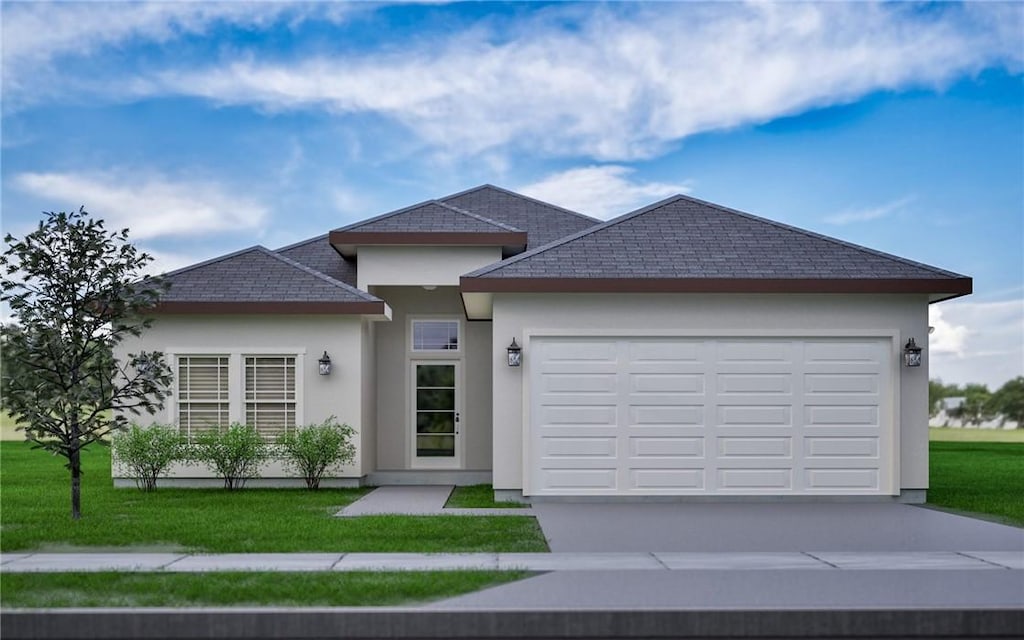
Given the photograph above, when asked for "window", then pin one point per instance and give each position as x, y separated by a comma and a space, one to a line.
435, 335
270, 394
203, 402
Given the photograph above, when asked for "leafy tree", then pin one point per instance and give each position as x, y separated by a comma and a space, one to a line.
977, 404
937, 392
76, 291
1009, 400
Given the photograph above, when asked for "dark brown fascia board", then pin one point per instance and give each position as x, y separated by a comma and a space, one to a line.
345, 308
959, 286
478, 238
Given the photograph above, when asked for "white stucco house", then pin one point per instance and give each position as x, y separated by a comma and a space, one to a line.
683, 349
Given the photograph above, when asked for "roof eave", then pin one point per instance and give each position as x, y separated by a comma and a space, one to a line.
348, 242
946, 287
378, 308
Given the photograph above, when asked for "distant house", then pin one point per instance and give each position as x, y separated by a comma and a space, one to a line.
683, 349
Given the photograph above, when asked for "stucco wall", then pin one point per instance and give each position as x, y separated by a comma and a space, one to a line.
339, 394
394, 409
417, 265
709, 315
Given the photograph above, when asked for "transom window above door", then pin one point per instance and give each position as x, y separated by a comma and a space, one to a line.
435, 335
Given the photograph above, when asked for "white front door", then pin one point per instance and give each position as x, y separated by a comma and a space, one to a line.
742, 416
436, 414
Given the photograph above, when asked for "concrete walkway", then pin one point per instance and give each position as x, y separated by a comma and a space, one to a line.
1011, 561
418, 500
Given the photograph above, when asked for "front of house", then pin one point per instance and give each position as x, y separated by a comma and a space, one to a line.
683, 349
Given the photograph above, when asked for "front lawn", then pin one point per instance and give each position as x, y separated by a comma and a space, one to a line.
478, 496
979, 477
34, 515
322, 589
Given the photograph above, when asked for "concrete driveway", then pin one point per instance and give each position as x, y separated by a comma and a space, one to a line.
758, 527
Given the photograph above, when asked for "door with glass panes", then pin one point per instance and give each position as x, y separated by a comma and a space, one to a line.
436, 418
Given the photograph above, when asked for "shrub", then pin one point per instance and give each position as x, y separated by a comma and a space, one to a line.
149, 451
234, 455
312, 450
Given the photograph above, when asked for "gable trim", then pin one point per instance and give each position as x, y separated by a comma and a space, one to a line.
455, 238
307, 307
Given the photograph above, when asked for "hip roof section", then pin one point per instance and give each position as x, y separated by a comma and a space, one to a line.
685, 244
257, 280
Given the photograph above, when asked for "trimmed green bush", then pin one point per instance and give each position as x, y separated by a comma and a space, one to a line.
234, 454
149, 451
311, 451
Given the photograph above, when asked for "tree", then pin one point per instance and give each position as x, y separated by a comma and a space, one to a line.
937, 392
977, 404
76, 292
1009, 400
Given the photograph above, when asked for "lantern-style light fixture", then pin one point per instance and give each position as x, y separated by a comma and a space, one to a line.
515, 354
325, 364
912, 354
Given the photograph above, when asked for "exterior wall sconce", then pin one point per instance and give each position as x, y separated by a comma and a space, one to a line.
515, 354
912, 354
325, 364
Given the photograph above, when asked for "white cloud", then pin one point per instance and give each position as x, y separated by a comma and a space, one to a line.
601, 191
150, 205
871, 213
627, 80
977, 341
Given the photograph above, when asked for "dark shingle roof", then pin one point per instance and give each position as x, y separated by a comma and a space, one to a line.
686, 240
431, 216
257, 279
317, 253
428, 223
542, 222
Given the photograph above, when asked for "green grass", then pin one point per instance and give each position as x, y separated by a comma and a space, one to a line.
979, 477
943, 434
478, 496
34, 512
329, 589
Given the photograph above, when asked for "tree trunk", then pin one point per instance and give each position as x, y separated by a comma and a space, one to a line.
76, 484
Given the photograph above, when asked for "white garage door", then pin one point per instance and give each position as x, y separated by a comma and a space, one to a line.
676, 416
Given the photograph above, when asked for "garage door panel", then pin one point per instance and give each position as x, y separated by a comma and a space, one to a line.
674, 383
746, 447
579, 414
772, 384
738, 416
864, 479
580, 383
754, 351
843, 351
833, 384
666, 447
838, 415
675, 351
841, 447
755, 479
656, 414
754, 415
667, 480
568, 447
583, 480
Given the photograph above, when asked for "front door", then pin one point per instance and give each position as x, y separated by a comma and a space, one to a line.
436, 419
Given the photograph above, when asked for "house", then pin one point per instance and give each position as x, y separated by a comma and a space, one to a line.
683, 349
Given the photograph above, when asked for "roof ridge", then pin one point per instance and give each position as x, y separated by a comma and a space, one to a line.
210, 261
466, 212
383, 216
488, 185
821, 236
569, 238
317, 274
322, 236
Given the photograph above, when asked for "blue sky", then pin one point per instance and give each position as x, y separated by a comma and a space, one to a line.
209, 127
